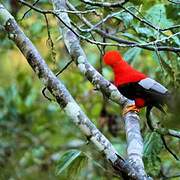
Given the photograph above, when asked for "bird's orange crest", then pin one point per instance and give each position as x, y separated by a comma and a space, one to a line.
123, 72
112, 57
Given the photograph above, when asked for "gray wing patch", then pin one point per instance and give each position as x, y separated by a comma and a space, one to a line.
149, 83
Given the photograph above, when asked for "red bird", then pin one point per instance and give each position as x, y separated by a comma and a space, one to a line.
135, 85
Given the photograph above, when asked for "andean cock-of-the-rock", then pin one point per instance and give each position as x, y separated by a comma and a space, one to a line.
135, 85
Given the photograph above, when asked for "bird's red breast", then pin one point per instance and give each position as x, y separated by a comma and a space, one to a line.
123, 72
140, 102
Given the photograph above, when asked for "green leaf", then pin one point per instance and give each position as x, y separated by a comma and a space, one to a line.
164, 63
39, 152
76, 167
176, 40
125, 17
136, 2
76, 3
36, 28
152, 165
26, 159
168, 68
144, 31
132, 54
152, 148
130, 36
172, 12
156, 15
153, 143
30, 99
66, 159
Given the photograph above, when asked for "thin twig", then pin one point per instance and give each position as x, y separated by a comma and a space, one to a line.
29, 10
149, 45
106, 4
144, 21
101, 22
57, 74
119, 4
175, 2
168, 149
121, 42
78, 12
65, 67
49, 41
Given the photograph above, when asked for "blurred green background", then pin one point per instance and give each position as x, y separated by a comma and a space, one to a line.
37, 140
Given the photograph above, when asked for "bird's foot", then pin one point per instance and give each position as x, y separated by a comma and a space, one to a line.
131, 107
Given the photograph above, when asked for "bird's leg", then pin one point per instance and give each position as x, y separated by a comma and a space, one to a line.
130, 107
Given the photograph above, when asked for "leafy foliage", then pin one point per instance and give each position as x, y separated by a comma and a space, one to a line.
152, 148
74, 161
36, 138
158, 11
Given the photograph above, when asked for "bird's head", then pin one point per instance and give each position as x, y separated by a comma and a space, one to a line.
112, 58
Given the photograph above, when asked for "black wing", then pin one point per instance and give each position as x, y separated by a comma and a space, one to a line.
153, 92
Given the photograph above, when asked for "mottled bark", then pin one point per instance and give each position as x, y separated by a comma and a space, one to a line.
63, 97
134, 139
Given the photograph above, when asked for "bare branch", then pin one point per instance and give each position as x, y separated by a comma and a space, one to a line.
29, 9
175, 2
148, 46
135, 144
169, 132
64, 99
105, 4
121, 42
144, 21
119, 4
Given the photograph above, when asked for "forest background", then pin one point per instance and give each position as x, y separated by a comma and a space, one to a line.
36, 137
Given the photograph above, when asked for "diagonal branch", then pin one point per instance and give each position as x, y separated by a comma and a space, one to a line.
64, 99
135, 144
106, 4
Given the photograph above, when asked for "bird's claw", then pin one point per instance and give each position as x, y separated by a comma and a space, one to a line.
131, 107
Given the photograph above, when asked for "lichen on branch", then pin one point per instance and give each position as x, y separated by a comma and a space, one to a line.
134, 139
63, 97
